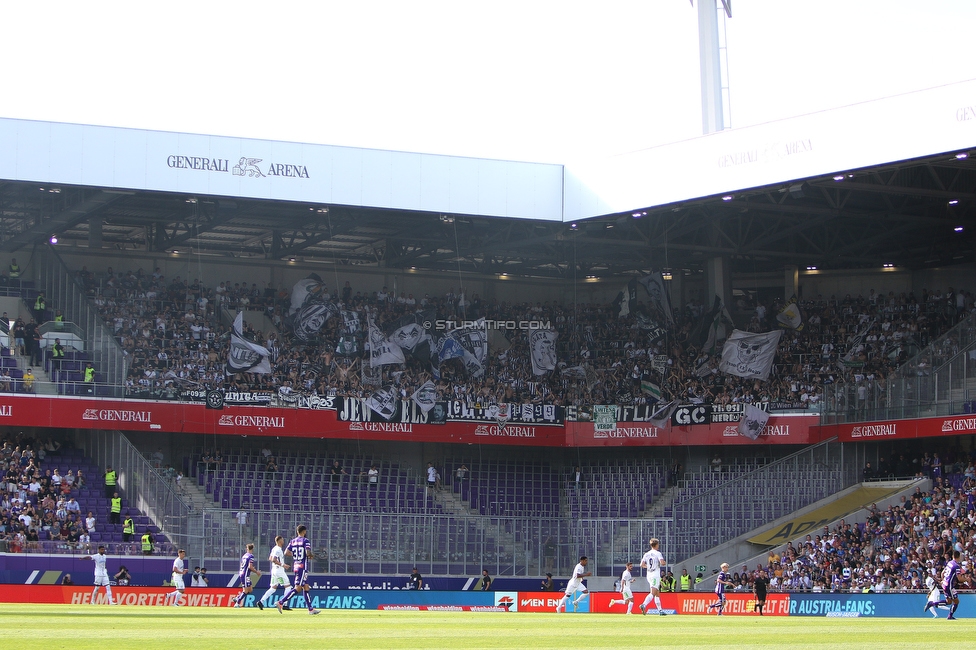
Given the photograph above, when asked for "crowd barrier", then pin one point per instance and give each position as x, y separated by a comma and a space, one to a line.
777, 604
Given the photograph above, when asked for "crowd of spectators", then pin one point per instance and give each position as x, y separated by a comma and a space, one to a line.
36, 504
173, 332
900, 548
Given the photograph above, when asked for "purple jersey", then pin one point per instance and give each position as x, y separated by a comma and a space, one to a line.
949, 575
301, 551
245, 573
720, 584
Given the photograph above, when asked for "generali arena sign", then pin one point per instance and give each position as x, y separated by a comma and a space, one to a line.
955, 425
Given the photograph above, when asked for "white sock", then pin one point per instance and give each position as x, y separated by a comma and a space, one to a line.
268, 594
94, 593
108, 590
630, 606
657, 602
647, 600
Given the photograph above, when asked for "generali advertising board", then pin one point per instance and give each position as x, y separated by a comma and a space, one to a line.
949, 425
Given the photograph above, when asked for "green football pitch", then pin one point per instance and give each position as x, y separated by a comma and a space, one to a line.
86, 626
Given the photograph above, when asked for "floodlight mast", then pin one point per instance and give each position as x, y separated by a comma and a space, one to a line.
712, 55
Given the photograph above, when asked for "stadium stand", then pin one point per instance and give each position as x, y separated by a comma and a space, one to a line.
53, 501
174, 334
901, 548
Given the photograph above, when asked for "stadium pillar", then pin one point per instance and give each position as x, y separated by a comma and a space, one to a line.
791, 281
95, 232
719, 281
676, 287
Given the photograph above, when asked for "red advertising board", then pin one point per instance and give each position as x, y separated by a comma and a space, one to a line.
181, 417
780, 430
132, 596
950, 425
538, 601
692, 603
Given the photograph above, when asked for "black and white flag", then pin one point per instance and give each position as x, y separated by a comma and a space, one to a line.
382, 351
425, 397
753, 421
310, 308
350, 321
470, 344
790, 317
661, 416
750, 355
542, 349
244, 355
658, 294
384, 402
857, 341
718, 330
626, 300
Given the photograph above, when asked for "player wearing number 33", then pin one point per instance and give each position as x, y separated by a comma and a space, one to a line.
301, 551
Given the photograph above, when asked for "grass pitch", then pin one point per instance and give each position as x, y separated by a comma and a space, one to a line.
86, 626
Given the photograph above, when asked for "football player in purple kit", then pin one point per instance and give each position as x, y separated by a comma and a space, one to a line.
300, 549
721, 582
247, 567
949, 576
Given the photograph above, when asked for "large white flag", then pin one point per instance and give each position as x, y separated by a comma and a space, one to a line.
753, 421
542, 349
382, 351
244, 355
750, 355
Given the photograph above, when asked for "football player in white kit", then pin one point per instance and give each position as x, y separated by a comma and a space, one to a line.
653, 561
179, 570
626, 580
278, 568
101, 575
574, 585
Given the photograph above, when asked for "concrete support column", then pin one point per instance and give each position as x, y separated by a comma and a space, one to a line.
718, 281
791, 281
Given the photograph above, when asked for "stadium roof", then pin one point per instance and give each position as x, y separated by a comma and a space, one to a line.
903, 213
887, 182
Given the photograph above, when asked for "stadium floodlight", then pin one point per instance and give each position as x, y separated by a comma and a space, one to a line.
727, 197
839, 177
958, 228
811, 268
962, 155
954, 202
573, 226
54, 239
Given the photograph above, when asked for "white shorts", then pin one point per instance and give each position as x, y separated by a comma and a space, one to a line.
574, 586
627, 593
101, 580
279, 580
654, 580
177, 581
